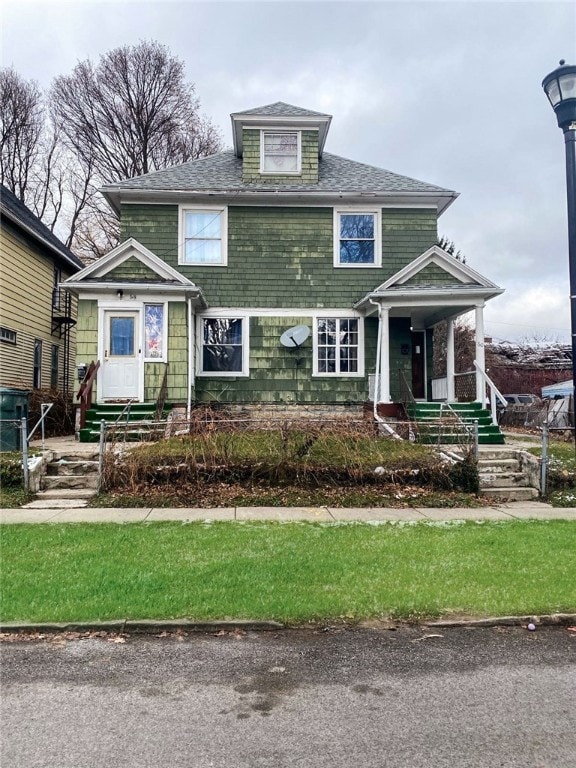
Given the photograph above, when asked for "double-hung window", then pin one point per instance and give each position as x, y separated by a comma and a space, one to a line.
203, 236
224, 346
357, 238
338, 346
280, 152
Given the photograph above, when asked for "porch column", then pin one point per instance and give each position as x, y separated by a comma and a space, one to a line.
384, 362
450, 383
480, 356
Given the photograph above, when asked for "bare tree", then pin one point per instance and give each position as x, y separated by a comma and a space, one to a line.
132, 113
21, 131
464, 347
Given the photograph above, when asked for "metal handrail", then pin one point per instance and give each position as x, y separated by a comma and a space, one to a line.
44, 410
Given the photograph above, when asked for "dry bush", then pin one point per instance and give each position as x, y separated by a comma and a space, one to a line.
306, 453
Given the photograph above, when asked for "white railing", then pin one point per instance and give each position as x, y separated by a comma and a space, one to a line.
495, 393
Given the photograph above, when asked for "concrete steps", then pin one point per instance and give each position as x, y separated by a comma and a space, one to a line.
70, 481
508, 475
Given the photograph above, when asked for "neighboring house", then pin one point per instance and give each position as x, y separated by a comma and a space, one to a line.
37, 316
221, 256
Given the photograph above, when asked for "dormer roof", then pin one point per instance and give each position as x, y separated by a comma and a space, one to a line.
279, 115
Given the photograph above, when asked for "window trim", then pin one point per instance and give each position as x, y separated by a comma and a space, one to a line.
281, 132
377, 213
223, 211
8, 336
338, 374
245, 344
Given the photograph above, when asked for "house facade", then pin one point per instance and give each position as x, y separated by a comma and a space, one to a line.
37, 316
222, 258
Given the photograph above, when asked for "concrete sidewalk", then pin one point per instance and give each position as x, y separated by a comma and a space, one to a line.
509, 511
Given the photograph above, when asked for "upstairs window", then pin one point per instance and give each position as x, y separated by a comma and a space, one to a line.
203, 236
280, 152
357, 238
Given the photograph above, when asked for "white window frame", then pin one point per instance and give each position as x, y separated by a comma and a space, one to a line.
245, 344
7, 335
279, 131
222, 210
344, 374
377, 213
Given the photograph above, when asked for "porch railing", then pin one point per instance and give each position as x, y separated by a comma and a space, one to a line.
494, 392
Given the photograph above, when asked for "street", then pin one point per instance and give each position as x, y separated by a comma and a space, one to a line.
415, 697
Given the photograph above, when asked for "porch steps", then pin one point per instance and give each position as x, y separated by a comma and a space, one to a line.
137, 426
70, 481
434, 422
505, 475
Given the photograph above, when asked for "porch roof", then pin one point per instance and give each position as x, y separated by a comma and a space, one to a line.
427, 305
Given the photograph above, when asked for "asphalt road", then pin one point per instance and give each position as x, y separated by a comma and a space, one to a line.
364, 697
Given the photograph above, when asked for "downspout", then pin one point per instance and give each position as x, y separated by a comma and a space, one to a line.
191, 330
378, 383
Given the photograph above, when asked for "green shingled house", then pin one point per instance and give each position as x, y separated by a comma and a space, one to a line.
221, 256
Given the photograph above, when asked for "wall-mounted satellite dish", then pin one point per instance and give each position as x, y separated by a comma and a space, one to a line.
294, 337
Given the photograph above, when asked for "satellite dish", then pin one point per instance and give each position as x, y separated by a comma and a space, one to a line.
295, 337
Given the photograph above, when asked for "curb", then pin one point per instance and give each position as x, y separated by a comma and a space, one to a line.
143, 626
153, 627
550, 619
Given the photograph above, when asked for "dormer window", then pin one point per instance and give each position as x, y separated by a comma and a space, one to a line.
280, 152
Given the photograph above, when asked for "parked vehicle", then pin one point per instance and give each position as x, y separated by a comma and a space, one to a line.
526, 399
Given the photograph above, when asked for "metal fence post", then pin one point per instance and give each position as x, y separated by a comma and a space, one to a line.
475, 447
24, 439
101, 450
544, 459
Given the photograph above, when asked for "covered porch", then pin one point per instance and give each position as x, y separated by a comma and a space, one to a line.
434, 288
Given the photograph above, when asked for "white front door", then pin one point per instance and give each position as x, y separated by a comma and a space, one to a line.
119, 377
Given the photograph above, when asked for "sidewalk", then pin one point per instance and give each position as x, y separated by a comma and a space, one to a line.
509, 511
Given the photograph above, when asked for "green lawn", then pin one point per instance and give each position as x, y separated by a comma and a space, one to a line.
288, 572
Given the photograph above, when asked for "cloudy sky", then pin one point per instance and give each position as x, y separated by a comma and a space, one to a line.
447, 92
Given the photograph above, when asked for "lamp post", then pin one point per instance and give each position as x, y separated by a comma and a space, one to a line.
560, 87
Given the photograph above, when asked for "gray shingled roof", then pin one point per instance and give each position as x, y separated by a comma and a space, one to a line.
15, 210
223, 172
281, 109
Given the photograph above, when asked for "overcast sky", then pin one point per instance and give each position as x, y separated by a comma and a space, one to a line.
446, 92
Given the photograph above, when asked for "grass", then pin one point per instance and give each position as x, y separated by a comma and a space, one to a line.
14, 497
289, 572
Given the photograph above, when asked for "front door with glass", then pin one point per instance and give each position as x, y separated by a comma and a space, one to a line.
120, 373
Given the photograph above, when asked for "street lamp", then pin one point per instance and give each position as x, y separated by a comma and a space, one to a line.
560, 87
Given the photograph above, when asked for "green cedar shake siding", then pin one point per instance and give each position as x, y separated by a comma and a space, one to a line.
177, 360
251, 160
87, 335
433, 275
283, 257
132, 269
276, 378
